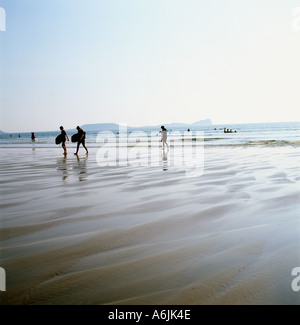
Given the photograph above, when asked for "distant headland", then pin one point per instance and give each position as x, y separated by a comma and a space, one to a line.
114, 126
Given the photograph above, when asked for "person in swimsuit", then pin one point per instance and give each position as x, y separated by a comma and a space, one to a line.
164, 136
81, 140
65, 138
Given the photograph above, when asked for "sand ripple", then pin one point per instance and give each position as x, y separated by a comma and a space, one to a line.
76, 233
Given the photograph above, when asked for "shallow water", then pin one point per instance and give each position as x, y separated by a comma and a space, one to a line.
262, 134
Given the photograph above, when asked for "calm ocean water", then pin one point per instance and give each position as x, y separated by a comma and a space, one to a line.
262, 134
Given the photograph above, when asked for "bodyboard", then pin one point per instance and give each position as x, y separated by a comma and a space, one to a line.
59, 139
75, 137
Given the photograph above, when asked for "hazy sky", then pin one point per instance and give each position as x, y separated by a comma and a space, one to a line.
147, 62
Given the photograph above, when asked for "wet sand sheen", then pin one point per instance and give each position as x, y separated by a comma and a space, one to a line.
76, 233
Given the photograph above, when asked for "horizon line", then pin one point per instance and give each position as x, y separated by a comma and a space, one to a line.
144, 126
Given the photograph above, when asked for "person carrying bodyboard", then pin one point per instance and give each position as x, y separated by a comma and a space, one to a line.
80, 140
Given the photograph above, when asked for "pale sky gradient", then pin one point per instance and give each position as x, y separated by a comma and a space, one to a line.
148, 62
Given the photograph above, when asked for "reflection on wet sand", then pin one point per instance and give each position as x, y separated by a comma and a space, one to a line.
81, 168
165, 159
62, 166
136, 234
66, 166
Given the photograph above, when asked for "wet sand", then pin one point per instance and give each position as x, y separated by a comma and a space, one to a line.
73, 232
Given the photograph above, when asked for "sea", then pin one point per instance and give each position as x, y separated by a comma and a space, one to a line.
284, 134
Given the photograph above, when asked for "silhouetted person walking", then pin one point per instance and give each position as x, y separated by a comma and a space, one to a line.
65, 138
81, 140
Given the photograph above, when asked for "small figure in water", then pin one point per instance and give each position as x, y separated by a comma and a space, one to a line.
164, 136
81, 140
32, 136
65, 138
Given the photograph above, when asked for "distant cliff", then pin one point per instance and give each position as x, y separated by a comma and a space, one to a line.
199, 123
100, 127
203, 122
115, 127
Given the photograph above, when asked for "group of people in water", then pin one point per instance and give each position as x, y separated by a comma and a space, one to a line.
80, 139
228, 131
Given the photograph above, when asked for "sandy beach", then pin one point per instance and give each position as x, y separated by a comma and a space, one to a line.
73, 232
